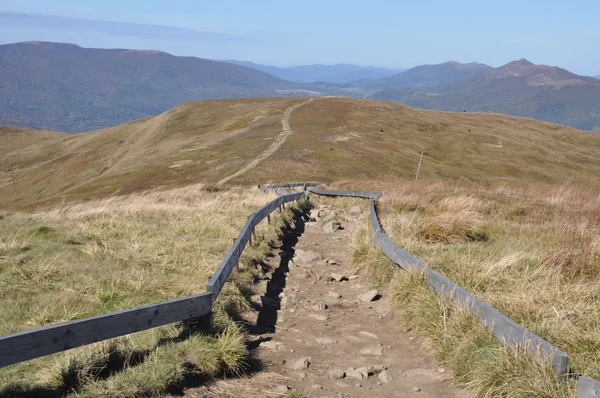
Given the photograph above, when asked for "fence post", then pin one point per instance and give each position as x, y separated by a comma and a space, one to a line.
237, 263
269, 218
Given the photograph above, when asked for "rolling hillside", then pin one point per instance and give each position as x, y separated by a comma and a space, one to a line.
69, 88
328, 139
518, 88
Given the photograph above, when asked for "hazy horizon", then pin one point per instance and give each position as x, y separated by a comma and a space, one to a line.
389, 35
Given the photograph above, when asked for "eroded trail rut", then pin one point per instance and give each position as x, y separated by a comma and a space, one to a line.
279, 141
320, 334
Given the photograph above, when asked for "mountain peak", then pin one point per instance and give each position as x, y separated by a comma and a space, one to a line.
522, 63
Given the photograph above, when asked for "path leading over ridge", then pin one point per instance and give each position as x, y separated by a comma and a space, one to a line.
317, 331
279, 141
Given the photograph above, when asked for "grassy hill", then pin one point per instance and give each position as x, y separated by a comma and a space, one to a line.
332, 139
518, 88
69, 88
126, 246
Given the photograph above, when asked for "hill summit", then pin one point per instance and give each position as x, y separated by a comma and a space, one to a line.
250, 141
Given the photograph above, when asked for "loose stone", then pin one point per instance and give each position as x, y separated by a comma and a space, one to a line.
336, 374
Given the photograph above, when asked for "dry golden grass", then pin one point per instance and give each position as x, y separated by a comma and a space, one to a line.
332, 139
342, 138
196, 142
539, 264
99, 256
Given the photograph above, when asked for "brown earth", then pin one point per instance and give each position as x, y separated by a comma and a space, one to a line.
297, 343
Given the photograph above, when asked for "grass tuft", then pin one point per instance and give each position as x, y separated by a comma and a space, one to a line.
538, 264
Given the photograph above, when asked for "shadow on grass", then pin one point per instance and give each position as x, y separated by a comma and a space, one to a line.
17, 391
266, 323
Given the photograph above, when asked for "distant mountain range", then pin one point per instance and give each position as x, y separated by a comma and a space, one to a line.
69, 88
519, 88
598, 77
338, 73
426, 75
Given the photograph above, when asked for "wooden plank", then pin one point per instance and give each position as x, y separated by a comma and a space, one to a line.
35, 343
375, 224
588, 388
502, 327
216, 283
357, 194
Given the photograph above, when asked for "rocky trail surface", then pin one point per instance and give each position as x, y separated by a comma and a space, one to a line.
322, 331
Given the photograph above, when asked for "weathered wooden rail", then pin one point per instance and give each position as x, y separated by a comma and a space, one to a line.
22, 346
502, 327
35, 343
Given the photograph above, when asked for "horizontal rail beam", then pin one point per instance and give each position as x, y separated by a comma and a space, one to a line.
502, 327
35, 343
216, 283
588, 388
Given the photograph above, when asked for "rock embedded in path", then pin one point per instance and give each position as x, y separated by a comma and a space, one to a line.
324, 340
336, 374
376, 350
369, 296
307, 256
331, 227
320, 307
272, 345
290, 299
360, 373
319, 317
335, 295
369, 334
299, 364
329, 217
388, 375
355, 210
338, 277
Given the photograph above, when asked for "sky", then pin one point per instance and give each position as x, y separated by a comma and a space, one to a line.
388, 33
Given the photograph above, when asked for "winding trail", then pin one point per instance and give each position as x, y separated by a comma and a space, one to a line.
279, 141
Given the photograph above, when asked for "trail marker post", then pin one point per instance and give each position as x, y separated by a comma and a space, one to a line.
419, 168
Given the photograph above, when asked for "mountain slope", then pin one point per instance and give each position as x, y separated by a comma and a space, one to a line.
338, 73
518, 88
69, 88
331, 139
427, 75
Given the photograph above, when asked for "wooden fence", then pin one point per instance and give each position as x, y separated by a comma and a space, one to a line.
22, 346
35, 343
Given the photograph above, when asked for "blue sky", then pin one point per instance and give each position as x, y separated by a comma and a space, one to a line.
375, 32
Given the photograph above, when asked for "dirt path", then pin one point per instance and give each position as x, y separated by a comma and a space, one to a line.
321, 337
279, 141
